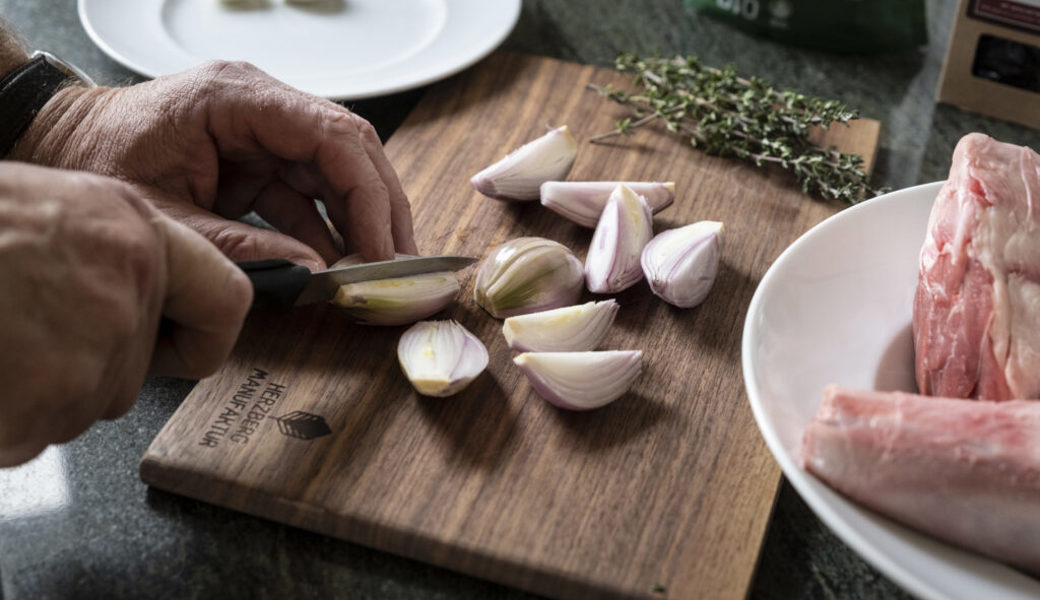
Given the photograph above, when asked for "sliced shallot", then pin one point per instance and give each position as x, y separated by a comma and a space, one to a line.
625, 226
681, 264
581, 380
566, 329
440, 358
521, 173
400, 300
583, 201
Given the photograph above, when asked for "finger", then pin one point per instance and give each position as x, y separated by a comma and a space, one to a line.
300, 128
295, 214
400, 209
241, 241
357, 200
350, 247
127, 368
206, 301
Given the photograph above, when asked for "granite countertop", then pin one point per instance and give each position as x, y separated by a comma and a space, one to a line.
77, 522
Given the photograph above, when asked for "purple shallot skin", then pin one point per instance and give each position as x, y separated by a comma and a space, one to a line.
625, 227
681, 264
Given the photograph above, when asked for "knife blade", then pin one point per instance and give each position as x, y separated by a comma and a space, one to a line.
281, 283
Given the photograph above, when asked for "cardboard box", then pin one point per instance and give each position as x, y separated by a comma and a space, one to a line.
992, 62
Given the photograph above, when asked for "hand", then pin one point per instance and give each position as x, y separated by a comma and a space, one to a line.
87, 267
223, 139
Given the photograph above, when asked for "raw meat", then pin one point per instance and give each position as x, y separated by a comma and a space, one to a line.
976, 317
966, 472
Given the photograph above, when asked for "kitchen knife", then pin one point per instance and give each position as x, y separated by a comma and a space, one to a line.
280, 283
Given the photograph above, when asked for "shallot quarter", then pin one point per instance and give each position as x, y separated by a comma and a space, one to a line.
624, 228
521, 173
583, 201
581, 380
681, 264
566, 329
440, 358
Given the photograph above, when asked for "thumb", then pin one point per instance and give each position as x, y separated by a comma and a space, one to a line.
207, 298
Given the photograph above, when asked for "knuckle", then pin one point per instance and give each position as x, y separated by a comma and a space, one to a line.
227, 70
338, 122
234, 243
365, 129
214, 79
122, 317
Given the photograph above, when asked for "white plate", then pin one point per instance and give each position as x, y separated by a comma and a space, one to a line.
339, 49
835, 307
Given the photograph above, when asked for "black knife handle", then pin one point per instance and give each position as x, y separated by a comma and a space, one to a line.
277, 283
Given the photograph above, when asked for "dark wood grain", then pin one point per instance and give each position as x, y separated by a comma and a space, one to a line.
664, 493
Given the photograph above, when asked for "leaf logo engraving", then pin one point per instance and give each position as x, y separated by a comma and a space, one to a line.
303, 425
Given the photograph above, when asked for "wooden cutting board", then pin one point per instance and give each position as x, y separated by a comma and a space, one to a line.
665, 493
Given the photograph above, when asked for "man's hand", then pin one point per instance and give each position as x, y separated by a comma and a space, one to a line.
87, 267
223, 139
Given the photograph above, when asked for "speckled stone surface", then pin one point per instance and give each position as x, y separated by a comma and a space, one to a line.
77, 523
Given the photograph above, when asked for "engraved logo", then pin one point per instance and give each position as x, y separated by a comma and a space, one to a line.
303, 425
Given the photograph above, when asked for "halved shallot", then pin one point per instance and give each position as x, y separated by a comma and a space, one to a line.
566, 329
625, 226
681, 264
527, 275
440, 358
583, 201
581, 380
519, 175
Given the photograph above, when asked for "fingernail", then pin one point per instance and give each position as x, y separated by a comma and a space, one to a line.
310, 263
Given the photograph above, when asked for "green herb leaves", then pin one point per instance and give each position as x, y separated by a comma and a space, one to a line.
726, 115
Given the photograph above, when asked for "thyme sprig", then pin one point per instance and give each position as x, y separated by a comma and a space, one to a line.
727, 115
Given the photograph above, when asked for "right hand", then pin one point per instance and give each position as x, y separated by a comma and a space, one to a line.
87, 268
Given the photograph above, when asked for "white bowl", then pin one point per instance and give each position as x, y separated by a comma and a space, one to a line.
835, 307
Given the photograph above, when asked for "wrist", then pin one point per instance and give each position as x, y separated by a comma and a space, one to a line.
26, 89
47, 98
54, 128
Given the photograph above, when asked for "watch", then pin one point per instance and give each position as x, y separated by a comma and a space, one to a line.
25, 90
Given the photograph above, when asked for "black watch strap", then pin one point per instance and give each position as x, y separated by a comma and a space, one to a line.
23, 92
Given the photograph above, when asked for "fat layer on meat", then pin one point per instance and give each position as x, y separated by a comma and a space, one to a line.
976, 313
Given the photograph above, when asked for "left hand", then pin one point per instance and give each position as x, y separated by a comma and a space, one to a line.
85, 284
222, 139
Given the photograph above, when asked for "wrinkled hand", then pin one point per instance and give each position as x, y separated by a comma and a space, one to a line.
86, 269
223, 139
